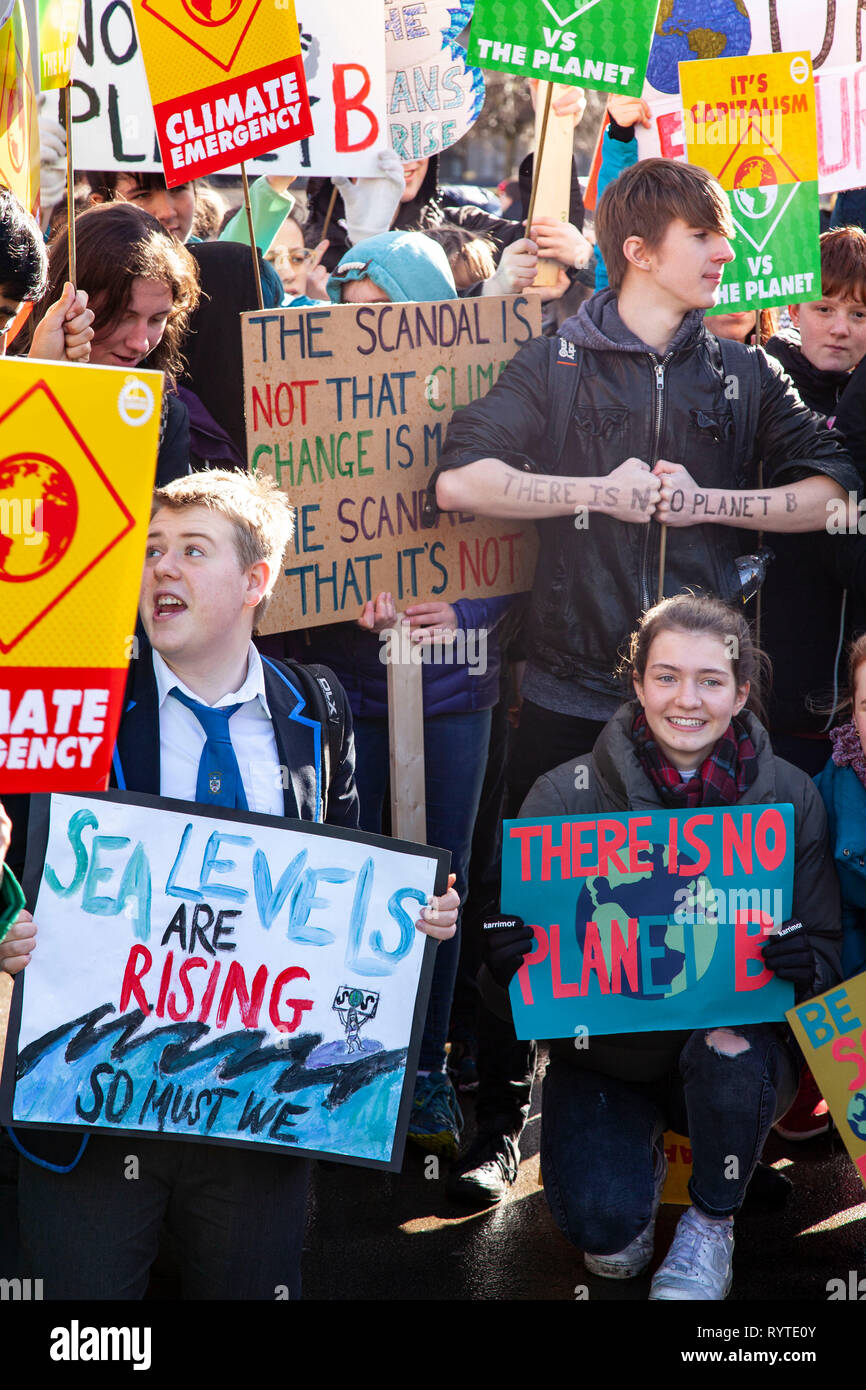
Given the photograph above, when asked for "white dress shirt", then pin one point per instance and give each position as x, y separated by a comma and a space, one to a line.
182, 738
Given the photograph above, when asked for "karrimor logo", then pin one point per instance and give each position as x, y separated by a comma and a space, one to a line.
77, 1343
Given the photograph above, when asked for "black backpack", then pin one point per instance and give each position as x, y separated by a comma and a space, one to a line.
318, 684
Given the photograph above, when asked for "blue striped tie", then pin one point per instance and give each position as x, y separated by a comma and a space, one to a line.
219, 777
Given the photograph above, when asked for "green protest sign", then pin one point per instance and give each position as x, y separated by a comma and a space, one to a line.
778, 258
592, 43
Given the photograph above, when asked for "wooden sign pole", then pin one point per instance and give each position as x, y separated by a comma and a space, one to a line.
6, 984
329, 214
70, 186
539, 156
553, 161
406, 743
254, 251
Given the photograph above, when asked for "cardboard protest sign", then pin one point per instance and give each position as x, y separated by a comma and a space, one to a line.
226, 81
77, 462
58, 31
690, 30
217, 975
347, 408
433, 96
342, 51
19, 130
751, 123
647, 922
831, 1030
592, 43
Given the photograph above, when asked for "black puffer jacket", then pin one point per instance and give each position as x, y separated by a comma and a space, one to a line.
582, 403
617, 782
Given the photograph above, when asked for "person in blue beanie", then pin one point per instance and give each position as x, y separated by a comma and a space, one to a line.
396, 267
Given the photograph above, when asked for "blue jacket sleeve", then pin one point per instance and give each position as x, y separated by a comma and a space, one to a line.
482, 612
616, 155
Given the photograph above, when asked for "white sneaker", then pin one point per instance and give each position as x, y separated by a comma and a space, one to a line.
698, 1264
627, 1263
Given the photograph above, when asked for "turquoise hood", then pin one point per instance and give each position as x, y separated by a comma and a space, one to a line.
408, 266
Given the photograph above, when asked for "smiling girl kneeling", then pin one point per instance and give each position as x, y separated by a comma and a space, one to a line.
687, 740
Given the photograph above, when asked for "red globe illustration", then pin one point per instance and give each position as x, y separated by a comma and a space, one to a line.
755, 172
211, 12
38, 516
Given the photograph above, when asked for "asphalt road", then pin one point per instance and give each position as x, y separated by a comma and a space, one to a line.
379, 1235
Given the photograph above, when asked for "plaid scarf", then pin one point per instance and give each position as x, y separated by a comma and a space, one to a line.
722, 779
847, 749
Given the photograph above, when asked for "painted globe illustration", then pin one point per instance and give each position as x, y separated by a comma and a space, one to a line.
687, 29
682, 951
755, 172
38, 515
857, 1114
756, 202
211, 12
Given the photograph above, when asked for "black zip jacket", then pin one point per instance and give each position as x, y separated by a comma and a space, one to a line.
580, 404
820, 576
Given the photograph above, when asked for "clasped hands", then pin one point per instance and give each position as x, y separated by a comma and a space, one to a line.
634, 492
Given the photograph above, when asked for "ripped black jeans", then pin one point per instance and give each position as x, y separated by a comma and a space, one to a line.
598, 1132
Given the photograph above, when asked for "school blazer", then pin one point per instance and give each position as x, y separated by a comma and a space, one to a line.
300, 735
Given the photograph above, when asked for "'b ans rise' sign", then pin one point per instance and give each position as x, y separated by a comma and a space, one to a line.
347, 408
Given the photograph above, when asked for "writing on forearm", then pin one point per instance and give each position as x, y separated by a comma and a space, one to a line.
745, 504
525, 488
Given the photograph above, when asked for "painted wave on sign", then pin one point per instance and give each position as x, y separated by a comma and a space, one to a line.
102, 1070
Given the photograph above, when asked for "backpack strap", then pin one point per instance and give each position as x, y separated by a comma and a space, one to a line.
565, 368
319, 685
740, 365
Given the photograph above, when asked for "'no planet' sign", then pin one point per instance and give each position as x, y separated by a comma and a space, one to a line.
648, 922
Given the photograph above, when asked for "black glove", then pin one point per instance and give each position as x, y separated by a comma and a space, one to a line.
789, 954
505, 942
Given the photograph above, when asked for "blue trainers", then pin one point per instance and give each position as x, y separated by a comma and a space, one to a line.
436, 1122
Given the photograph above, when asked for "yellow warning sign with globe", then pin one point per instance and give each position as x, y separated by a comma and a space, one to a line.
751, 123
77, 462
752, 118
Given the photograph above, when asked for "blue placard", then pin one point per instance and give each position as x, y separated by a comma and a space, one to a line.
648, 921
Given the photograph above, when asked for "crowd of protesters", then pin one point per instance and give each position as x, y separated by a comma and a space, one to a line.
621, 415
